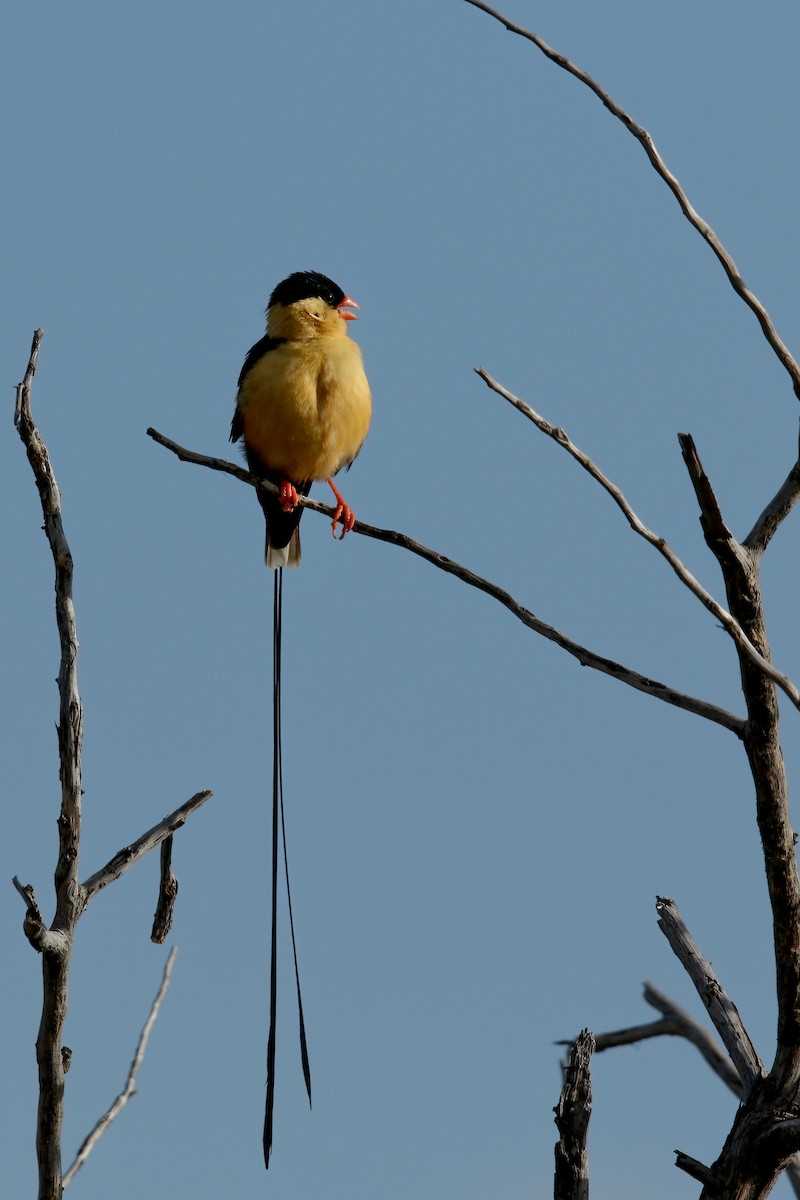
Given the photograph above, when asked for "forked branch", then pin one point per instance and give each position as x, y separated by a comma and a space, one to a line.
55, 943
131, 854
729, 623
676, 1022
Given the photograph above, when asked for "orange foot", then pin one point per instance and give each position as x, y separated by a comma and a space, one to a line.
288, 496
344, 513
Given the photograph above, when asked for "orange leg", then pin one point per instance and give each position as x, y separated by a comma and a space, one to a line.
344, 512
288, 496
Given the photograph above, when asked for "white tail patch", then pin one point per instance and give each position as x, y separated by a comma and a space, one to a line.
284, 556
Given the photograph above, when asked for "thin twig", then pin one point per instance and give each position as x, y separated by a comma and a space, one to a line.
693, 217
720, 1007
91, 1140
585, 657
659, 543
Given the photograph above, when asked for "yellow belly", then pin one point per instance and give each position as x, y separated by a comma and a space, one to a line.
305, 407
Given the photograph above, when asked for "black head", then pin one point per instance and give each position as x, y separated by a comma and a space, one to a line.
303, 285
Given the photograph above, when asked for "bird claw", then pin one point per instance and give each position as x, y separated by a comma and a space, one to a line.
345, 514
288, 496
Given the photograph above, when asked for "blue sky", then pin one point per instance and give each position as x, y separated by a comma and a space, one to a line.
478, 828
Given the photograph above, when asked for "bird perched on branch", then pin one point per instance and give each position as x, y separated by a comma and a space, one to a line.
303, 407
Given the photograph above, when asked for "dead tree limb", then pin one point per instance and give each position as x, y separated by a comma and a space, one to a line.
751, 1159
766, 1131
728, 622
676, 1022
721, 1009
55, 942
167, 894
573, 1112
93, 1137
774, 513
56, 952
128, 855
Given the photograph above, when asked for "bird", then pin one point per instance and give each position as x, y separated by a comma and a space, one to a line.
303, 405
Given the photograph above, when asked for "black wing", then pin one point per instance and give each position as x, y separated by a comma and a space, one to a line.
254, 355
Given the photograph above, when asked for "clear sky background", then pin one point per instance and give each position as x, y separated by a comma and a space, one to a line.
478, 827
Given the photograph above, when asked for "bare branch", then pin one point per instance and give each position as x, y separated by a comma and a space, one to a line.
573, 1112
692, 1031
129, 1089
703, 228
56, 946
714, 525
637, 525
718, 1061
167, 894
677, 1022
29, 896
70, 725
762, 744
632, 1034
586, 657
743, 1158
40, 937
779, 507
720, 1007
131, 854
22, 409
693, 1167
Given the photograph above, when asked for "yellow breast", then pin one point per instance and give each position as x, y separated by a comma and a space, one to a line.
306, 408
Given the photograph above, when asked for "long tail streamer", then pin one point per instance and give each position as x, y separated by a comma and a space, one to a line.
278, 815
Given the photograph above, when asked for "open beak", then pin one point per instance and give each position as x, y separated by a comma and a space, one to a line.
347, 303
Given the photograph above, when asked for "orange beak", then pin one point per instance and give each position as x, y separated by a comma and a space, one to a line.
347, 303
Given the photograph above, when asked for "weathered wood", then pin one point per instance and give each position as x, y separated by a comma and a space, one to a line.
55, 943
751, 1160
167, 895
573, 1112
720, 1007
55, 958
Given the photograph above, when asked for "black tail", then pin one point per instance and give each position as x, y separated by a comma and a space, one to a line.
278, 812
282, 547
